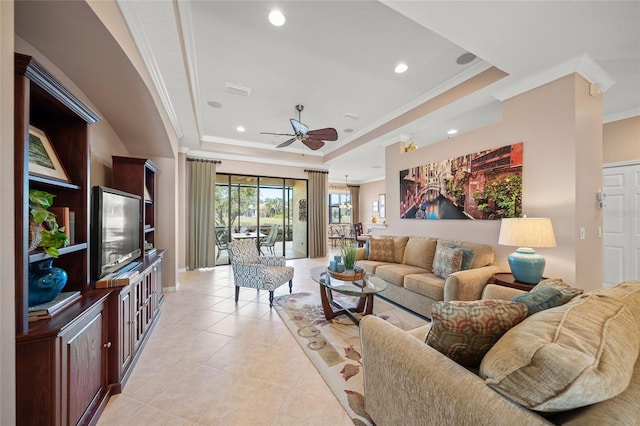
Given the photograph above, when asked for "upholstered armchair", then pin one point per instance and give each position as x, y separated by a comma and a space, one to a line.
255, 271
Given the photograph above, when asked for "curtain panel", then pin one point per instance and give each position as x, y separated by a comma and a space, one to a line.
354, 194
318, 212
201, 250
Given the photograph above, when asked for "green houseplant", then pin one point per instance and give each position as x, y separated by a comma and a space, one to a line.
51, 237
348, 255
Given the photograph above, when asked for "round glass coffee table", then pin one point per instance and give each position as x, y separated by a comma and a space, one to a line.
364, 289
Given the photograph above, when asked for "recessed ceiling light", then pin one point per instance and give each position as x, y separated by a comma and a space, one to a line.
348, 130
452, 132
465, 58
276, 18
214, 104
401, 67
240, 129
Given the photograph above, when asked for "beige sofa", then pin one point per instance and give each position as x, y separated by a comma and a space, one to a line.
407, 382
411, 282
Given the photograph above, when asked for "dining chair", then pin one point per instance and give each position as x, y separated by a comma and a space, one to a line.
357, 233
334, 235
255, 271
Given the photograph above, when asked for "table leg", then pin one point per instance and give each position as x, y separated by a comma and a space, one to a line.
364, 306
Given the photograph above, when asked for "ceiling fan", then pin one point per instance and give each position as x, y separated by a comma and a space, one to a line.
314, 139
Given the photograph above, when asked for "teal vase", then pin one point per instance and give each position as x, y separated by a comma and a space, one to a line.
526, 265
45, 281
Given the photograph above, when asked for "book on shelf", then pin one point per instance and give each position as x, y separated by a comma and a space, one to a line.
72, 228
62, 217
117, 279
48, 309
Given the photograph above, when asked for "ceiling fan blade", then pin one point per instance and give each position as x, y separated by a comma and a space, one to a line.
287, 143
313, 144
277, 134
299, 127
328, 134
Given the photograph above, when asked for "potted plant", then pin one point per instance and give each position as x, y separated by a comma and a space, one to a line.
348, 255
47, 234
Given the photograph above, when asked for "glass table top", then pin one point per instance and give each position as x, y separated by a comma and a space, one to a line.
368, 285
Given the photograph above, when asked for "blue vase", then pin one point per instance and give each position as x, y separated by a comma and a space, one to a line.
45, 281
526, 265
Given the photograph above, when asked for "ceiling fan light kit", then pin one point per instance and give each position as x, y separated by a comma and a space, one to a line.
314, 139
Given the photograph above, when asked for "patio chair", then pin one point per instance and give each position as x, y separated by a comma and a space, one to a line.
270, 240
221, 245
259, 272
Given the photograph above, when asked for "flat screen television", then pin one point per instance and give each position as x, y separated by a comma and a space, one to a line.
115, 230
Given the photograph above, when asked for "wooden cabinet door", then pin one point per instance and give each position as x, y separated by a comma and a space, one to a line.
125, 327
142, 291
156, 283
84, 368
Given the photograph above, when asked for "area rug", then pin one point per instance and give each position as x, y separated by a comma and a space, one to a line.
334, 346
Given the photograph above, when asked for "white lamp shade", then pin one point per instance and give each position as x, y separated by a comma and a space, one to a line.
527, 232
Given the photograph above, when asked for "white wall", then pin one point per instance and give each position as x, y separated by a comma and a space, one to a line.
7, 227
370, 192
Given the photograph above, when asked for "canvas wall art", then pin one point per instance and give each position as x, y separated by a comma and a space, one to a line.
486, 185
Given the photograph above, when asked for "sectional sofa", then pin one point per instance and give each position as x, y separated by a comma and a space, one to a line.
573, 364
421, 270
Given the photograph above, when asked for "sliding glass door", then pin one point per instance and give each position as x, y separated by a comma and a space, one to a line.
270, 211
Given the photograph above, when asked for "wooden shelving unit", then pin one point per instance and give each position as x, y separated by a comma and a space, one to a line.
43, 102
68, 365
54, 382
138, 176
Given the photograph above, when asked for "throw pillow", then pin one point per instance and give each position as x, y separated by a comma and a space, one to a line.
367, 248
540, 300
568, 292
465, 331
574, 355
382, 250
420, 252
446, 262
467, 255
399, 244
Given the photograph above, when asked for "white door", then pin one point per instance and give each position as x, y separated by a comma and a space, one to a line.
621, 223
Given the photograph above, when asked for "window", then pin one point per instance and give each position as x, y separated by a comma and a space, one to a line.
339, 208
256, 204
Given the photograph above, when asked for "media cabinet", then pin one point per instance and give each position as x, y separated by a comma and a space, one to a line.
68, 366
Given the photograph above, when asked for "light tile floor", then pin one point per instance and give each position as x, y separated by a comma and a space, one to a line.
210, 361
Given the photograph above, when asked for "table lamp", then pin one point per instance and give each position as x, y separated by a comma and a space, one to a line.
526, 233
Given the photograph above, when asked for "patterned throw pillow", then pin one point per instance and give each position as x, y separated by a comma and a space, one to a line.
465, 330
568, 292
467, 255
381, 249
539, 300
447, 261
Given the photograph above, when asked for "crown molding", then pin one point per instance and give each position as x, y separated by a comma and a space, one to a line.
189, 48
400, 137
132, 17
254, 159
623, 115
583, 65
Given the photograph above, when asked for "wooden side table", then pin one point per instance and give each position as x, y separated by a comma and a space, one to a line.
506, 279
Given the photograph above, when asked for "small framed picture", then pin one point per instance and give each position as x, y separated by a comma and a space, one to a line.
43, 160
382, 206
375, 207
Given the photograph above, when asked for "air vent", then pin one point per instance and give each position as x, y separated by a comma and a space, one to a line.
238, 90
350, 116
